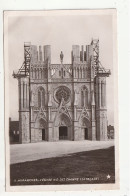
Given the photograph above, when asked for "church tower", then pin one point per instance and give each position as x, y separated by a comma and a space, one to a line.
101, 110
24, 113
24, 97
100, 93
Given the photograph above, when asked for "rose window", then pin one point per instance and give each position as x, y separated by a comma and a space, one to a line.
62, 92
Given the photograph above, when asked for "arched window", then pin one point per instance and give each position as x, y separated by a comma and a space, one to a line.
45, 73
78, 73
84, 97
93, 71
41, 97
35, 74
86, 72
75, 70
31, 73
62, 72
38, 74
83, 73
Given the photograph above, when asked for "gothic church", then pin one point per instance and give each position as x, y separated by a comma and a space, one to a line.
62, 101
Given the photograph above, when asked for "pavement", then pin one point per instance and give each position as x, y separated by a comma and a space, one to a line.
35, 151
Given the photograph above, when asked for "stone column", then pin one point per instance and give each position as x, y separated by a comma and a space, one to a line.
75, 53
23, 94
105, 93
73, 72
50, 123
84, 101
75, 128
49, 106
82, 53
41, 73
49, 113
82, 73
47, 54
99, 93
75, 105
25, 90
40, 53
21, 97
76, 72
93, 116
87, 53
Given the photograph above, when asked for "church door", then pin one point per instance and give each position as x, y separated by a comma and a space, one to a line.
43, 134
63, 133
86, 133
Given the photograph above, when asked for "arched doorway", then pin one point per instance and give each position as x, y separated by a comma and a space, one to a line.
86, 133
85, 124
43, 134
63, 128
42, 130
63, 133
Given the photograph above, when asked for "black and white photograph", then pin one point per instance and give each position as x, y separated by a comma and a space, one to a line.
61, 90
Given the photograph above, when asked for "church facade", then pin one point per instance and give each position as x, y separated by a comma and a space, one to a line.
62, 101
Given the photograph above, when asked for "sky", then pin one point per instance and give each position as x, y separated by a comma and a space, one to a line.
61, 32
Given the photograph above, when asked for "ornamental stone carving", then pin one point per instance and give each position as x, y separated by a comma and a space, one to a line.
62, 92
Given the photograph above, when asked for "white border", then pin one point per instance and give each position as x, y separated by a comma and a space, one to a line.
122, 10
8, 14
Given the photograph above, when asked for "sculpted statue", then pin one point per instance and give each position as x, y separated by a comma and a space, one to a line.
61, 56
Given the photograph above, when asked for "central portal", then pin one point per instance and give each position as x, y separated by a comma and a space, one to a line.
63, 133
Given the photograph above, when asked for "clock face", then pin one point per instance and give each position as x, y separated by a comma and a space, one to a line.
62, 92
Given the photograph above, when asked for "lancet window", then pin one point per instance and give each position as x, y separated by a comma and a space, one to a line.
41, 97
84, 97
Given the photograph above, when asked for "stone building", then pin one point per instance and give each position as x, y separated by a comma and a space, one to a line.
110, 132
62, 101
13, 131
